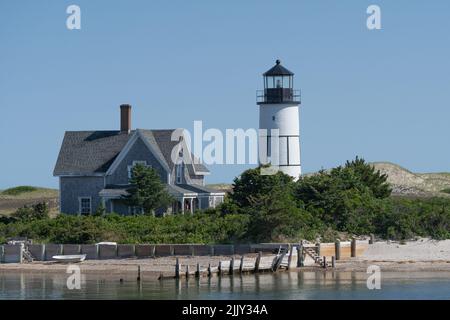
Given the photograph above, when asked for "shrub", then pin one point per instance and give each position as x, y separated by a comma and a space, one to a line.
18, 190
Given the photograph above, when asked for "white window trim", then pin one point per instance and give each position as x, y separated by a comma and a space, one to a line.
79, 204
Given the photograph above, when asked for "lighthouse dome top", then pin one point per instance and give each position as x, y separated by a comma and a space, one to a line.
278, 70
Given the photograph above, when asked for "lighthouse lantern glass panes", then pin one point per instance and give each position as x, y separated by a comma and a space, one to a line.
270, 82
287, 83
279, 82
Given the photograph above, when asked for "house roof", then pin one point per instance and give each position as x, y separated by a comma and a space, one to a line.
178, 190
93, 152
191, 189
164, 140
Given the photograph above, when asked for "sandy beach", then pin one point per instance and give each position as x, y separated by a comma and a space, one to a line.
420, 255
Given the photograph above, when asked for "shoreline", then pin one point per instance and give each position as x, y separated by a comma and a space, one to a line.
422, 255
154, 267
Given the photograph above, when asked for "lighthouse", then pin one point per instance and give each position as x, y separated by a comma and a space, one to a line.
279, 134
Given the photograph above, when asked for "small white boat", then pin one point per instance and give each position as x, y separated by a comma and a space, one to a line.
106, 243
70, 258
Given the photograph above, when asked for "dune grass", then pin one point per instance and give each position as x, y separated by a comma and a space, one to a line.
18, 190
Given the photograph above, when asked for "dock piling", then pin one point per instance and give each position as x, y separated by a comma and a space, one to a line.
241, 266
197, 273
291, 248
232, 265
257, 262
139, 274
177, 269
353, 248
300, 262
337, 249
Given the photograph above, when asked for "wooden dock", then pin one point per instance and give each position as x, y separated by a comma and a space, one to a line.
235, 265
253, 264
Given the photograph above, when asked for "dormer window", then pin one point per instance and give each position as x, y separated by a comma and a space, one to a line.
130, 168
179, 173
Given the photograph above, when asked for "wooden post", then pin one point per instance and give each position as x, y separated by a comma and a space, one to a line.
333, 262
372, 239
241, 266
337, 249
231, 266
300, 262
353, 248
258, 260
197, 273
318, 248
139, 274
187, 271
324, 261
220, 268
291, 248
209, 270
177, 269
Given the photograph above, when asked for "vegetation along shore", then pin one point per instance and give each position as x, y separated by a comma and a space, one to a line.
352, 199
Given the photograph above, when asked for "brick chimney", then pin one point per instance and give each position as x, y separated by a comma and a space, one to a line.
125, 118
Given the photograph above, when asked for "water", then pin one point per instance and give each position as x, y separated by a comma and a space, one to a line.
292, 285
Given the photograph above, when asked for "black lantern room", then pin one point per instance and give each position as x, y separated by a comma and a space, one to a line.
278, 86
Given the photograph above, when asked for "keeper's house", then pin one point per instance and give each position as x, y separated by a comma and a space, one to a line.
94, 167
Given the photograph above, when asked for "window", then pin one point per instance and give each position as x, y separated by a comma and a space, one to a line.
85, 206
130, 168
179, 173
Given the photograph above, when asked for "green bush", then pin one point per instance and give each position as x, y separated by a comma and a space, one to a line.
18, 190
198, 228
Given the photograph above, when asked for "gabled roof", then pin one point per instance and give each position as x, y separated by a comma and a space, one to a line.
166, 145
278, 70
87, 153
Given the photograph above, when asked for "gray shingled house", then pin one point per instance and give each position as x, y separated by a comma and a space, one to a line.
94, 167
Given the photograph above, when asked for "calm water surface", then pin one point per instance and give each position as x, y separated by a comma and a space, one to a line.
292, 285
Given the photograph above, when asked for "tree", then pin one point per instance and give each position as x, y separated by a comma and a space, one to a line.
346, 197
147, 190
35, 212
251, 183
373, 179
101, 210
275, 217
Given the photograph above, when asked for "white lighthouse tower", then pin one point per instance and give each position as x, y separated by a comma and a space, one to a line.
279, 119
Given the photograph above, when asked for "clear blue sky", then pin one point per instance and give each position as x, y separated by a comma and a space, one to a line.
383, 95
